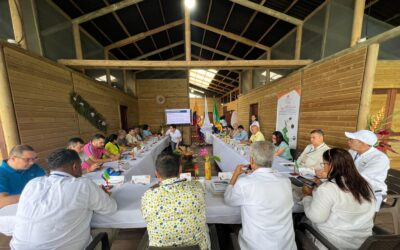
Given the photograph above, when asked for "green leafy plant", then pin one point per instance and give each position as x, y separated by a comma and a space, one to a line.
88, 112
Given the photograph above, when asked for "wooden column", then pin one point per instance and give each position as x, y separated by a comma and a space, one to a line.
16, 18
77, 40
108, 76
267, 71
125, 83
357, 21
7, 112
367, 86
187, 34
299, 35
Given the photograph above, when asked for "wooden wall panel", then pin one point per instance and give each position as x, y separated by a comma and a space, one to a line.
176, 95
330, 95
40, 91
387, 76
210, 104
232, 106
45, 118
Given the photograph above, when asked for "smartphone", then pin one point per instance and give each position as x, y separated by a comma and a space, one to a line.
306, 182
246, 167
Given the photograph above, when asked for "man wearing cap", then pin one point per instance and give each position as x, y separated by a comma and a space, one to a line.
372, 164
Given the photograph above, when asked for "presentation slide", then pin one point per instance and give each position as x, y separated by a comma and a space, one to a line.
178, 116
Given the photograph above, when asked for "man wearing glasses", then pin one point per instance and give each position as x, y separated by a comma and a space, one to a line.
16, 172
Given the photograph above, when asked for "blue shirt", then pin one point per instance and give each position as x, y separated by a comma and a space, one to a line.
13, 181
286, 154
146, 133
241, 136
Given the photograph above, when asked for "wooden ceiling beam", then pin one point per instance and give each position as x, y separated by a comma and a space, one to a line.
179, 65
216, 51
157, 51
103, 11
268, 11
219, 92
188, 45
143, 35
230, 35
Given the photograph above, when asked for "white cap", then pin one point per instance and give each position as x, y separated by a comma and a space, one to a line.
366, 136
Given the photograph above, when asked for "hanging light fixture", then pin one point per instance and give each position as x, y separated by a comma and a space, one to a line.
190, 4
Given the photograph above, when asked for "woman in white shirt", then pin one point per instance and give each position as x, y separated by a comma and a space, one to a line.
254, 121
343, 207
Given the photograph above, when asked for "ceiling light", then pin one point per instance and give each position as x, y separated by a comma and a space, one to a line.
190, 4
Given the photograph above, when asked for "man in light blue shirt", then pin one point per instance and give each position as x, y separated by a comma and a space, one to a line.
241, 135
146, 131
16, 172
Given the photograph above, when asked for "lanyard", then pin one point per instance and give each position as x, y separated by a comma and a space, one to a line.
175, 182
312, 151
355, 157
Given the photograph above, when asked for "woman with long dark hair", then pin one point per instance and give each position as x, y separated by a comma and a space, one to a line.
281, 146
343, 207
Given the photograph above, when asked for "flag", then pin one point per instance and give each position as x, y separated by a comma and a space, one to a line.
215, 112
206, 127
195, 112
106, 176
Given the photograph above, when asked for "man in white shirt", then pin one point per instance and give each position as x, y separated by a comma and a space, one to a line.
266, 202
311, 157
54, 212
131, 138
372, 164
175, 136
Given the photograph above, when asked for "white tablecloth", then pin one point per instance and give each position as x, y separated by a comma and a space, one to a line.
128, 196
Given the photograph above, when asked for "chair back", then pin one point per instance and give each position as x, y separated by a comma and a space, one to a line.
393, 181
386, 242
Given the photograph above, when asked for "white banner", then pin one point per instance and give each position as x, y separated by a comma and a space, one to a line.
287, 116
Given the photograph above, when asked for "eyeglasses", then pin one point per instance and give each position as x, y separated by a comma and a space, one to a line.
29, 159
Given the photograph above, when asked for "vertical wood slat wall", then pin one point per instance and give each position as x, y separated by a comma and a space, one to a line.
210, 104
45, 118
387, 76
330, 96
175, 92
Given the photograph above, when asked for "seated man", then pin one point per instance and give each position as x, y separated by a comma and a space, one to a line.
256, 134
77, 145
311, 157
266, 202
241, 135
175, 211
95, 150
54, 212
138, 137
16, 172
146, 131
121, 139
175, 136
234, 131
131, 138
371, 163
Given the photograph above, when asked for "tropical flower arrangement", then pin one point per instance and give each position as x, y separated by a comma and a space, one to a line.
207, 158
377, 124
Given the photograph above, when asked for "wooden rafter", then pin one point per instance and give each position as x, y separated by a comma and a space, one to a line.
184, 65
114, 13
268, 11
105, 10
271, 27
147, 27
230, 35
187, 34
163, 18
208, 17
216, 51
217, 91
357, 21
94, 24
223, 28
157, 51
143, 35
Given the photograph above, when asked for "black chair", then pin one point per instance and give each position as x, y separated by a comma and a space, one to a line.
380, 240
101, 237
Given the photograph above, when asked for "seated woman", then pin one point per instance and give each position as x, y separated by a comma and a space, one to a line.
146, 131
112, 146
343, 207
281, 147
94, 150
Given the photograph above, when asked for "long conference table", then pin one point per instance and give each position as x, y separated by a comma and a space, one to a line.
128, 195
